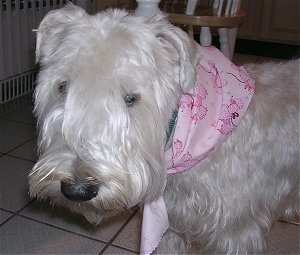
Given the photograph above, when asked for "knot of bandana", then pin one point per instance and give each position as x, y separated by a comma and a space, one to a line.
205, 119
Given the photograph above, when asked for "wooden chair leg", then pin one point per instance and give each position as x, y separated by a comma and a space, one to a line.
190, 32
232, 32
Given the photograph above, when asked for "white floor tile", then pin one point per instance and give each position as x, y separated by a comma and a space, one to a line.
4, 216
23, 115
26, 151
112, 250
16, 104
284, 239
23, 236
130, 236
62, 218
14, 133
13, 183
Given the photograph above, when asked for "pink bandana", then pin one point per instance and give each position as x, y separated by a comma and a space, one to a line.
222, 94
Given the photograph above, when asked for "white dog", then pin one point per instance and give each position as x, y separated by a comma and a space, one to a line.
107, 90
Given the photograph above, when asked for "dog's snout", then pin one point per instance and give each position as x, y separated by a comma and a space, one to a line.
79, 191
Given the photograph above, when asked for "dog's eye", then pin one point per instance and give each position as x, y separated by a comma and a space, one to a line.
131, 99
62, 87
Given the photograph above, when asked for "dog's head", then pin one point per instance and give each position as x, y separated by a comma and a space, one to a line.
106, 90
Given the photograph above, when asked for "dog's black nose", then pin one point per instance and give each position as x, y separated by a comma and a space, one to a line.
78, 191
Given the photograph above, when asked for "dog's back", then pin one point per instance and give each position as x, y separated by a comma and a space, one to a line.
275, 116
235, 194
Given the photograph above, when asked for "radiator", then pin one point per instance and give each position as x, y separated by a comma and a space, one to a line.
18, 19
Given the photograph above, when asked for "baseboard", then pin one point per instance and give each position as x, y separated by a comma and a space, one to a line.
258, 48
267, 49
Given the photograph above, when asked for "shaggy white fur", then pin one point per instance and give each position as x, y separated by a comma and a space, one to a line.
106, 91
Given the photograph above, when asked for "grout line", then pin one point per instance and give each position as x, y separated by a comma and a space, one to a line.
60, 228
117, 233
18, 121
55, 226
107, 244
66, 230
14, 213
18, 146
117, 246
16, 157
8, 219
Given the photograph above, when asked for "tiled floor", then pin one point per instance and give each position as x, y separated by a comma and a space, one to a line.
29, 227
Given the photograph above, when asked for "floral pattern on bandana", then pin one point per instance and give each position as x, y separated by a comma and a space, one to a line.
205, 119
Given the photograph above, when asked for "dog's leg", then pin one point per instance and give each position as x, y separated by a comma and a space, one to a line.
172, 243
292, 208
239, 239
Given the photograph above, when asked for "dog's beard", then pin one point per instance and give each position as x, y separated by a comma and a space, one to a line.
122, 183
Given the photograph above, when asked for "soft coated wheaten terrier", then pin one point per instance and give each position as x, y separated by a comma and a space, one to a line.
121, 103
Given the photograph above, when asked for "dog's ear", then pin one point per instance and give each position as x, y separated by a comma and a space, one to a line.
52, 27
187, 49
